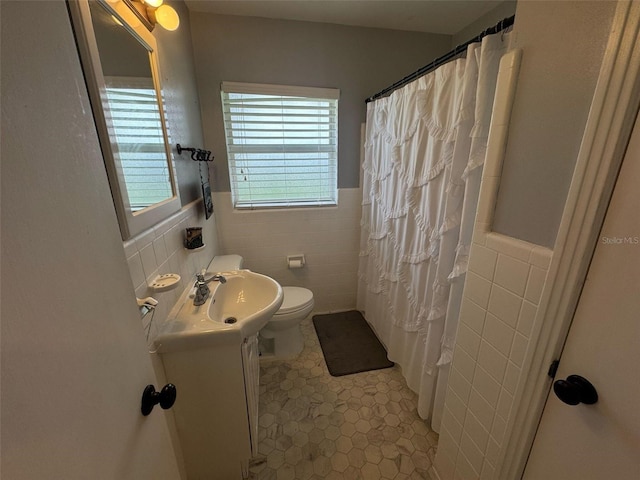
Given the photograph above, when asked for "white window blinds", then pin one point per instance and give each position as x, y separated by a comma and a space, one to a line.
282, 144
135, 122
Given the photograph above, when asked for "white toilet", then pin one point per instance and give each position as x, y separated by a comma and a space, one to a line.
281, 336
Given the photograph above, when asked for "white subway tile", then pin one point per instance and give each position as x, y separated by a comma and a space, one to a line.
337, 302
472, 315
143, 290
488, 471
477, 289
527, 318
464, 470
504, 404
471, 451
505, 305
164, 226
135, 269
164, 267
486, 386
464, 363
185, 269
130, 248
160, 250
512, 274
498, 428
493, 451
511, 378
451, 423
459, 385
468, 340
456, 407
519, 349
148, 258
444, 464
447, 444
145, 238
535, 284
483, 411
341, 258
541, 257
498, 334
483, 261
492, 361
509, 246
174, 239
476, 431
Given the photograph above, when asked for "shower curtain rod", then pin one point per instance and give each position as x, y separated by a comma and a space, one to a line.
501, 25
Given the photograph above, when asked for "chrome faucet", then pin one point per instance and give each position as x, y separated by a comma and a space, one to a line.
202, 288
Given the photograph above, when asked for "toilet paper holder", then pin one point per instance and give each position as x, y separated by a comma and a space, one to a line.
295, 261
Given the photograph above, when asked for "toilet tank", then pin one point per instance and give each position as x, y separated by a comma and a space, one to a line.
225, 263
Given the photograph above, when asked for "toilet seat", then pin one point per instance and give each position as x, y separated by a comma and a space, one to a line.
294, 299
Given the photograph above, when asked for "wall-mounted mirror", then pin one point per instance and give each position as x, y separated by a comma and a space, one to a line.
119, 58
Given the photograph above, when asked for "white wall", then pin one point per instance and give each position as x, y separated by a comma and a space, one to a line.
563, 44
502, 11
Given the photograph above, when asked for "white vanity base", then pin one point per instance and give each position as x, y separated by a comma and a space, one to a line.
216, 434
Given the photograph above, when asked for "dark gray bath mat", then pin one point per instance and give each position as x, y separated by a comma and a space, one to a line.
348, 343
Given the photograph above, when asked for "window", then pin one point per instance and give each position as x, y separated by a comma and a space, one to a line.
282, 144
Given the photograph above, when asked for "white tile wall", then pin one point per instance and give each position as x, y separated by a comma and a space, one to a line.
329, 238
161, 250
493, 338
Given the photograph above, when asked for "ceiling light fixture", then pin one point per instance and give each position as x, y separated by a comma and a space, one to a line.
152, 12
165, 16
153, 3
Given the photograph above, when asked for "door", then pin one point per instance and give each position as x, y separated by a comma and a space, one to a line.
601, 440
74, 357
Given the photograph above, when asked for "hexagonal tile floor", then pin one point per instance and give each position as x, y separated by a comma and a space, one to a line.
315, 426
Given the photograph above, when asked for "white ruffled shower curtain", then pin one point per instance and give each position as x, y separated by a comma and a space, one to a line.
424, 148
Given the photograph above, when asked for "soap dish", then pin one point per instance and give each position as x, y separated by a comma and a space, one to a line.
163, 283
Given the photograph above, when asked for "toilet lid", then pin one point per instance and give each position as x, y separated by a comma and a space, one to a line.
295, 298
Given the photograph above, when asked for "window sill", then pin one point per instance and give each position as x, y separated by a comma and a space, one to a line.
285, 206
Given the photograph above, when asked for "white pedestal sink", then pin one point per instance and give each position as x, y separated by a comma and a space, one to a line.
235, 310
210, 352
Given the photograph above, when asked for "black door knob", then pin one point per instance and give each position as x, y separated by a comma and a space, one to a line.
574, 390
150, 398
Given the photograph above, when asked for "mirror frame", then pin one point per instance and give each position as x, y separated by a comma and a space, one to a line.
131, 222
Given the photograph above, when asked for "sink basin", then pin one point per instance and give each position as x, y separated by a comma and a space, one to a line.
234, 311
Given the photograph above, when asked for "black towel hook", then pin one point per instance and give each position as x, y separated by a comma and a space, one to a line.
197, 154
